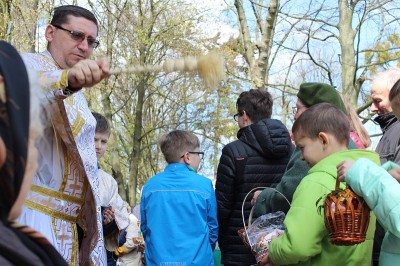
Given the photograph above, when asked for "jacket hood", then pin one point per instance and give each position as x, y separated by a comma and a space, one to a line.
328, 164
269, 137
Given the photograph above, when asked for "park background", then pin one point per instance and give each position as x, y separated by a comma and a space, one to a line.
276, 44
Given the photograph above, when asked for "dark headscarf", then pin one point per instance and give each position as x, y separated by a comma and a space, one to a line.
14, 125
19, 244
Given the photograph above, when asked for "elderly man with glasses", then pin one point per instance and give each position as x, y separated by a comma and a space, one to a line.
62, 203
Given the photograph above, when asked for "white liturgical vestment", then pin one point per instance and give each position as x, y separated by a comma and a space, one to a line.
65, 189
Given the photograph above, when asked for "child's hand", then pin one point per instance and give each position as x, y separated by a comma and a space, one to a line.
342, 169
265, 261
139, 241
255, 196
108, 215
395, 172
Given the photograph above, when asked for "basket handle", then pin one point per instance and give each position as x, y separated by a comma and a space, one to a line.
252, 209
250, 215
337, 186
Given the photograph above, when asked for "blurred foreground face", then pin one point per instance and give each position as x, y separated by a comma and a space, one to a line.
30, 171
35, 130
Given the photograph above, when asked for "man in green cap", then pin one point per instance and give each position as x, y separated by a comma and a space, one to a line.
268, 200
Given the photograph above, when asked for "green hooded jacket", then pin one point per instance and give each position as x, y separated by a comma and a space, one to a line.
306, 240
270, 200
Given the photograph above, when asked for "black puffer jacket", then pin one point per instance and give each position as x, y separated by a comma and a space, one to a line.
257, 159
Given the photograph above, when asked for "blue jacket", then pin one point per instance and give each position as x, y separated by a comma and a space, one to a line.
179, 218
382, 194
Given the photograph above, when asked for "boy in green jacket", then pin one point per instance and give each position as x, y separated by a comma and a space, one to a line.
322, 134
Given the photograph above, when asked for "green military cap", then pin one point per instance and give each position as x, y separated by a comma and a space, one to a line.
311, 93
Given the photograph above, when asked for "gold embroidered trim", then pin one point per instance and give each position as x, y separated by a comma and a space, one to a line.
53, 223
78, 125
50, 60
63, 83
75, 244
70, 101
57, 194
43, 81
75, 240
66, 169
48, 211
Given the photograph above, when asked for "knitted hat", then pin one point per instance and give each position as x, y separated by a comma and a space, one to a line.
313, 92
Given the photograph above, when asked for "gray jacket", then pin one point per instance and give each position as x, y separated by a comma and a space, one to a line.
389, 145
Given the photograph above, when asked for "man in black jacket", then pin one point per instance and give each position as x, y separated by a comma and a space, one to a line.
389, 145
257, 159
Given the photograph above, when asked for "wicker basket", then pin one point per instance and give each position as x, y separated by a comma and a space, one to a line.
243, 231
346, 216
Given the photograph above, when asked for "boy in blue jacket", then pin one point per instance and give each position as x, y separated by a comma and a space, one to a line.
178, 207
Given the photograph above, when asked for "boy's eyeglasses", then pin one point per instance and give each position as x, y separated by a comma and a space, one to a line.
236, 116
199, 153
80, 37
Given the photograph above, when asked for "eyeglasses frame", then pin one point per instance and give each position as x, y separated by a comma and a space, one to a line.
294, 109
237, 115
94, 43
199, 153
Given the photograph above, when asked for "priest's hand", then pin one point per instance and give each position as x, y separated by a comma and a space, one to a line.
87, 73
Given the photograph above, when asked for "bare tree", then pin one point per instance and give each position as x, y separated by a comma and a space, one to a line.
339, 35
257, 49
144, 106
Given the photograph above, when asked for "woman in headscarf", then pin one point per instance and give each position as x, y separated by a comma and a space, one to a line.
19, 245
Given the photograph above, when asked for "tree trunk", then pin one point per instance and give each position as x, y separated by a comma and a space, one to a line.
136, 143
258, 62
266, 42
24, 31
346, 39
5, 18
